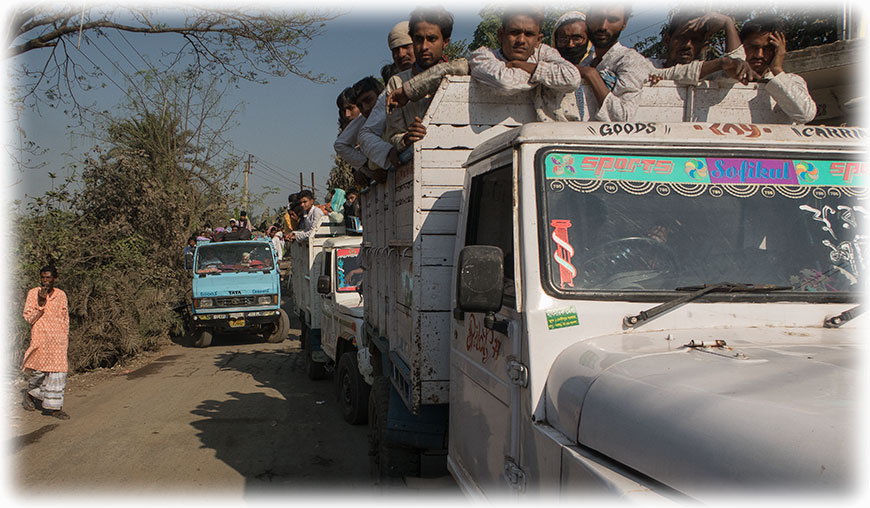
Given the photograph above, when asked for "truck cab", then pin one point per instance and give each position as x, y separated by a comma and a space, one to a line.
236, 287
659, 312
342, 325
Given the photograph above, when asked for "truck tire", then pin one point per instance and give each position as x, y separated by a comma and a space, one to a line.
203, 338
387, 460
281, 329
353, 392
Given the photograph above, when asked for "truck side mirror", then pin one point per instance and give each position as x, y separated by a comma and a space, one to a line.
324, 285
480, 284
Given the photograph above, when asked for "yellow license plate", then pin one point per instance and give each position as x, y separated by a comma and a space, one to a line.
237, 323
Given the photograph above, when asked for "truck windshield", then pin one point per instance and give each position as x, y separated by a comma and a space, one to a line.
349, 270
651, 223
233, 257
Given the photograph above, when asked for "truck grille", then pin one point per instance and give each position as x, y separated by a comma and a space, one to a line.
235, 301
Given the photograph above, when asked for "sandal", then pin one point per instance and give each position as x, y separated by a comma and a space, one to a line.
27, 403
59, 414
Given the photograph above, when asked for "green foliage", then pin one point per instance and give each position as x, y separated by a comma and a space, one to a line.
457, 49
116, 235
340, 177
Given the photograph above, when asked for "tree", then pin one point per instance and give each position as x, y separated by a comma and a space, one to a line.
241, 43
340, 177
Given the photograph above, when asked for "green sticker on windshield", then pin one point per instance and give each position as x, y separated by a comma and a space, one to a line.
562, 318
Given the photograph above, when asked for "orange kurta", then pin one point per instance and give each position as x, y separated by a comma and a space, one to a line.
49, 333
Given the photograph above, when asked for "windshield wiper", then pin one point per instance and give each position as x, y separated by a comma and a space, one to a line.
697, 292
840, 319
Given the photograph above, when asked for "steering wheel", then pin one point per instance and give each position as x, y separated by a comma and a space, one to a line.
630, 263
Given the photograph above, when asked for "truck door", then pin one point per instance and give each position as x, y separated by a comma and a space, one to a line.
329, 333
483, 400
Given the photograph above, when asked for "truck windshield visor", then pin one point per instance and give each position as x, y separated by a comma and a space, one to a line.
233, 257
640, 223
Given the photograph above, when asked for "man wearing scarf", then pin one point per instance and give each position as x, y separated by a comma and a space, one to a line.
570, 38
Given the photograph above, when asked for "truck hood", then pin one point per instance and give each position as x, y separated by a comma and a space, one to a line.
232, 284
771, 409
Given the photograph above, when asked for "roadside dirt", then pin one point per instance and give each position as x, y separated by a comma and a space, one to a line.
235, 420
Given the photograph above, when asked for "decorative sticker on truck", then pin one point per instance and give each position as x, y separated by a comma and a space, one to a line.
564, 252
562, 318
705, 170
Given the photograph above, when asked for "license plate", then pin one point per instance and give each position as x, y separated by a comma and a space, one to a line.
237, 323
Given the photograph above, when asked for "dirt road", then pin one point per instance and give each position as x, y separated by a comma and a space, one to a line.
236, 419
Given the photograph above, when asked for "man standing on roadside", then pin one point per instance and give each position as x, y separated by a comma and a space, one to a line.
45, 362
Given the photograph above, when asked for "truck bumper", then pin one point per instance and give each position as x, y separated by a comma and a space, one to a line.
236, 321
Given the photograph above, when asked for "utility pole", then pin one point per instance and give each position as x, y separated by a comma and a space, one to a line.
245, 186
312, 182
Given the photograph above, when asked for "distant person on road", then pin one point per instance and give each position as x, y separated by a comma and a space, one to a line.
764, 50
312, 218
244, 221
188, 252
45, 361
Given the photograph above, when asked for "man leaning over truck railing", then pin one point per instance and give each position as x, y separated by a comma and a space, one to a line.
525, 64
686, 36
364, 94
371, 135
617, 73
430, 29
312, 217
764, 49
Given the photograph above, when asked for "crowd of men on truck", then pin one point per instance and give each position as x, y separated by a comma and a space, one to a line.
380, 123
379, 119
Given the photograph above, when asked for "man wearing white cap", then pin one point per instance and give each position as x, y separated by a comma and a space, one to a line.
570, 38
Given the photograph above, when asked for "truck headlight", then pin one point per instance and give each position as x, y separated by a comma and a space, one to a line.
203, 303
267, 299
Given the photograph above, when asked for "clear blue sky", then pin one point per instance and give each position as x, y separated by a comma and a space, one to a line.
288, 125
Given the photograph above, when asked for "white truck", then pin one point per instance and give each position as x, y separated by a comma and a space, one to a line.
658, 309
325, 282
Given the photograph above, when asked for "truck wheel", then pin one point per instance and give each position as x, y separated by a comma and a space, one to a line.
203, 339
387, 460
353, 392
281, 328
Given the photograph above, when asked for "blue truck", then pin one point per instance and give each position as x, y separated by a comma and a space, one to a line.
237, 288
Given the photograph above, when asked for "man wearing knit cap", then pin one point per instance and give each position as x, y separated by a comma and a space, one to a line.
571, 40
371, 141
361, 142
